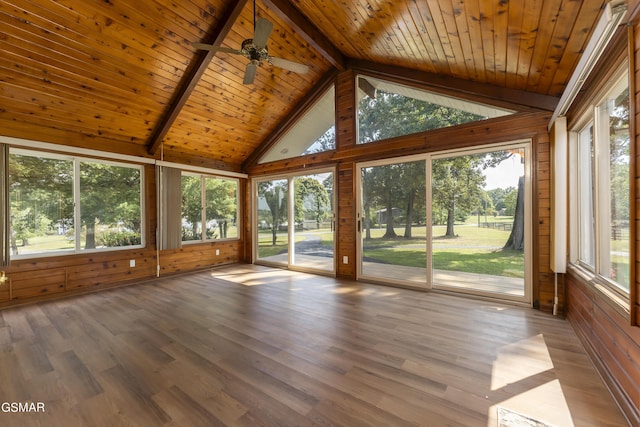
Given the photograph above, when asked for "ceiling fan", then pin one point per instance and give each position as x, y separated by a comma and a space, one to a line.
255, 50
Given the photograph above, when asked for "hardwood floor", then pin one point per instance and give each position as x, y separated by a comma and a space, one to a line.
246, 345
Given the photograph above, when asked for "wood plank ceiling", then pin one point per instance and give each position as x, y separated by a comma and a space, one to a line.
121, 75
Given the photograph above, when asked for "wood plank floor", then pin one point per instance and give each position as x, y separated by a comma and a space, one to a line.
247, 345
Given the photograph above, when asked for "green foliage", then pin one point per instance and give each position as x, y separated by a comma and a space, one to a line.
390, 114
275, 196
311, 200
112, 239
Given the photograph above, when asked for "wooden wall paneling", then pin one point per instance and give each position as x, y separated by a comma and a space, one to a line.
31, 284
346, 208
612, 343
199, 256
346, 221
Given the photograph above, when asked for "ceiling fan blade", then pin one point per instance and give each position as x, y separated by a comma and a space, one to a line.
250, 73
296, 67
262, 32
203, 46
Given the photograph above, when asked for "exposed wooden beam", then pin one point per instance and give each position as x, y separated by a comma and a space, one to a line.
307, 30
367, 87
192, 77
296, 113
481, 92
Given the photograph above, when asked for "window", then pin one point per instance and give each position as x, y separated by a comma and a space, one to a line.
209, 208
66, 204
315, 132
387, 110
586, 233
603, 194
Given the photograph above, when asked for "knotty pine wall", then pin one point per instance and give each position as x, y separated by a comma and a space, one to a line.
609, 335
36, 279
510, 128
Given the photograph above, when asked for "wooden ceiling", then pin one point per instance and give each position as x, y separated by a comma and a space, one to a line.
121, 75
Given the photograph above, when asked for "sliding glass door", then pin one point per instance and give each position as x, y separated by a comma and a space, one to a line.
294, 221
271, 221
457, 221
480, 222
392, 222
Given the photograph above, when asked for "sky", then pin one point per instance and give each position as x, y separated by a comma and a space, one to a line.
504, 175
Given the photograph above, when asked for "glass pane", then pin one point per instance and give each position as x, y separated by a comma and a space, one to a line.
313, 213
313, 133
393, 223
273, 242
41, 193
221, 198
387, 110
615, 265
191, 208
586, 205
478, 223
109, 206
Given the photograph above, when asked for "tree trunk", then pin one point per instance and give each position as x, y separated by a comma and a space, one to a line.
367, 222
390, 233
450, 221
516, 238
90, 239
409, 220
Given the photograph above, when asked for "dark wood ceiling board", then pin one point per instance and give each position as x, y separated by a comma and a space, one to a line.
450, 35
407, 37
452, 50
462, 33
301, 25
94, 115
436, 62
343, 24
562, 30
107, 32
486, 39
49, 53
225, 149
514, 34
589, 12
528, 34
22, 113
37, 80
500, 24
190, 80
469, 22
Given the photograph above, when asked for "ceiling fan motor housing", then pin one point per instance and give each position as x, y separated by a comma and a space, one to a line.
252, 52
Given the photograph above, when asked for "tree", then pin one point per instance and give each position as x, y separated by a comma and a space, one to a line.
220, 205
275, 196
108, 195
457, 184
516, 238
413, 185
41, 196
310, 190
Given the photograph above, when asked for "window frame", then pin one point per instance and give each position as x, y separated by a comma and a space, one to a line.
612, 291
203, 207
76, 163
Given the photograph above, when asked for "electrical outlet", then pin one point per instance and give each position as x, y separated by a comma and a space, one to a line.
132, 263
345, 259
217, 252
